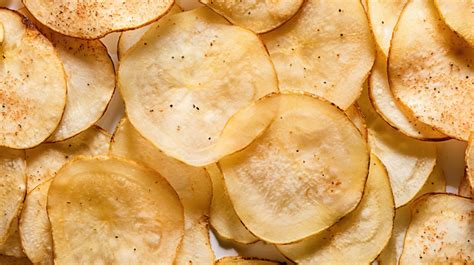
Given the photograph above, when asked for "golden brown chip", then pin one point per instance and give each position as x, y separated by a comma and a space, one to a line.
92, 19
245, 261
33, 90
465, 188
97, 217
6, 260
192, 184
12, 246
257, 15
188, 77
293, 176
458, 15
431, 70
326, 49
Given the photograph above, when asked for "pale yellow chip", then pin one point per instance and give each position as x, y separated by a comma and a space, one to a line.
129, 38
257, 15
383, 16
33, 87
223, 218
431, 70
390, 109
92, 19
470, 161
356, 116
459, 16
187, 77
326, 49
391, 254
35, 228
12, 188
12, 246
409, 162
45, 160
361, 235
304, 173
97, 217
245, 261
441, 231
193, 185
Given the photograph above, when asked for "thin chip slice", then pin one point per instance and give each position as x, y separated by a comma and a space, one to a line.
409, 162
459, 16
92, 19
470, 161
293, 176
441, 231
245, 261
259, 16
33, 90
465, 188
354, 114
327, 49
6, 260
97, 217
383, 16
361, 235
129, 38
391, 253
430, 70
390, 109
35, 228
181, 86
12, 246
44, 160
90, 80
192, 184
223, 218
12, 188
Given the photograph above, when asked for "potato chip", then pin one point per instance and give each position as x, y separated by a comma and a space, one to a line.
259, 16
392, 251
430, 70
458, 15
358, 237
193, 185
383, 16
35, 228
90, 81
45, 160
128, 38
409, 162
223, 218
187, 77
293, 176
441, 231
12, 246
6, 260
97, 217
94, 19
12, 189
354, 114
465, 188
245, 261
390, 109
327, 49
33, 91
470, 161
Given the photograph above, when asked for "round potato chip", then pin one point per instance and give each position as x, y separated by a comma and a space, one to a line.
361, 235
12, 189
45, 160
458, 15
97, 217
293, 176
431, 70
90, 80
129, 38
245, 261
33, 91
441, 231
187, 77
92, 19
192, 184
327, 49
354, 114
470, 161
391, 254
12, 246
35, 228
383, 16
223, 218
409, 162
390, 109
259, 16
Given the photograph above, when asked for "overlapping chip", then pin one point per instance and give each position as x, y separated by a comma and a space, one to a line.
244, 261
458, 16
470, 162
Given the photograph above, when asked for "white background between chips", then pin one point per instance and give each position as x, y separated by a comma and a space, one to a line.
450, 153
